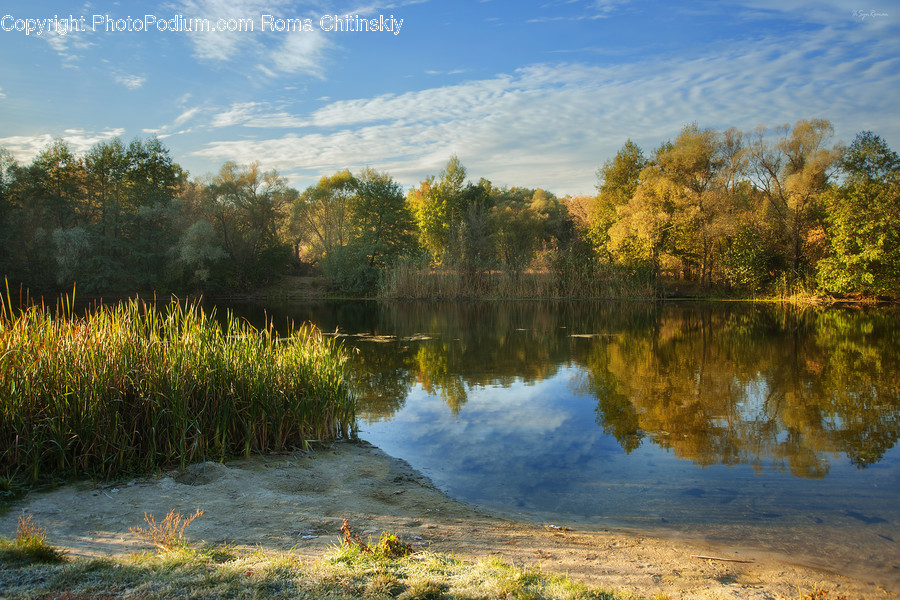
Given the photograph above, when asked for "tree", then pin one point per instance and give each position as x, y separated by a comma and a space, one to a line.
7, 173
617, 181
247, 205
864, 221
643, 232
199, 254
380, 220
379, 229
321, 218
437, 205
792, 172
693, 162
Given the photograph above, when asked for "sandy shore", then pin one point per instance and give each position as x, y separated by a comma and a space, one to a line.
299, 501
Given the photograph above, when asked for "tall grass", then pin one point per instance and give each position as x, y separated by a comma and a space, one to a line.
409, 278
133, 387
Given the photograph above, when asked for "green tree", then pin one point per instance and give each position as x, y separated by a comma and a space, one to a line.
247, 206
643, 232
320, 219
617, 181
470, 244
693, 162
155, 185
44, 196
748, 261
792, 172
380, 229
199, 254
437, 205
380, 220
864, 222
7, 174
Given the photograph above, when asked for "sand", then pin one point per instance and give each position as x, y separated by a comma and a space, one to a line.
300, 500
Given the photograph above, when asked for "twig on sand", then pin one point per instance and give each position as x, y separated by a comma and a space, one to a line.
735, 560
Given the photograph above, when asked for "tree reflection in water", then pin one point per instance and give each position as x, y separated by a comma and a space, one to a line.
762, 385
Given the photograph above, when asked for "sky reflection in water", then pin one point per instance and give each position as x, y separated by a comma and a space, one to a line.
748, 424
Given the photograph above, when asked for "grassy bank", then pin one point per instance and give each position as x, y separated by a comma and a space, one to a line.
133, 387
31, 568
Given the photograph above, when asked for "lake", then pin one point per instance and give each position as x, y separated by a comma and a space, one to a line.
759, 426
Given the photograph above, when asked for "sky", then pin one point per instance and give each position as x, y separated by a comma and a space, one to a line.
525, 93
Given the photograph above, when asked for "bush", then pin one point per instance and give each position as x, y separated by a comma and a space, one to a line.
348, 268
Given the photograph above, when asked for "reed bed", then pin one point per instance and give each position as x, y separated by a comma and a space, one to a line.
410, 279
134, 387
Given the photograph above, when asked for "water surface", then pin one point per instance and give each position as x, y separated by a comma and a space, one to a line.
749, 425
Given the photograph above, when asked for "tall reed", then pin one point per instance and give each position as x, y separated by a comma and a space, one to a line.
132, 387
412, 279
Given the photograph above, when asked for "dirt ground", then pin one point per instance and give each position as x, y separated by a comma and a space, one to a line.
299, 501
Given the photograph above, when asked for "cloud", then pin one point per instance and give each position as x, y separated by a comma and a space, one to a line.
257, 114
2, 95
276, 53
551, 125
185, 116
588, 10
823, 12
132, 82
25, 147
69, 46
302, 52
224, 45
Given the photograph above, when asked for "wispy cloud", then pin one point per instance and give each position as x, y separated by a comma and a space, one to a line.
303, 53
257, 114
186, 116
579, 10
551, 125
69, 47
132, 82
451, 72
2, 95
274, 53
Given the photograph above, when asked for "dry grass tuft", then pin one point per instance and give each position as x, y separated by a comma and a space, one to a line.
168, 534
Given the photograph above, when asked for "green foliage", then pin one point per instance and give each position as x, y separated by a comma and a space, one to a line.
437, 205
349, 268
247, 208
620, 176
380, 221
199, 253
105, 219
320, 218
125, 218
792, 172
749, 263
863, 221
132, 387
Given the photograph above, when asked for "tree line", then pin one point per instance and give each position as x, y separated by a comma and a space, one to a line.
764, 212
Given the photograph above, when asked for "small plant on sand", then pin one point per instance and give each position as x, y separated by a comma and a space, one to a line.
389, 545
29, 545
167, 535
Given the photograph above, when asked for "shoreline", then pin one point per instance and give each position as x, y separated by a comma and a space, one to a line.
297, 502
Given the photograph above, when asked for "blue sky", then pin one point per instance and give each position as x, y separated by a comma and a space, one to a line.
534, 94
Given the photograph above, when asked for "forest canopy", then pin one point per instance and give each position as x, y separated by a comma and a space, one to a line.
767, 212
